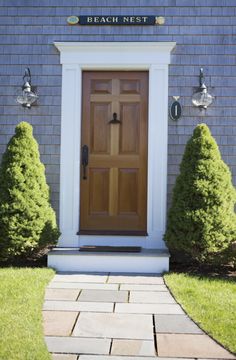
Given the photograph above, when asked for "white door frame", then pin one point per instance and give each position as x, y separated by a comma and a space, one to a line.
76, 57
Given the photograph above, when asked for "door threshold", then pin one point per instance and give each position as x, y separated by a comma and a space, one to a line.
95, 248
112, 232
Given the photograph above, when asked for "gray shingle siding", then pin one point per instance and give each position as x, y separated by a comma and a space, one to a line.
205, 33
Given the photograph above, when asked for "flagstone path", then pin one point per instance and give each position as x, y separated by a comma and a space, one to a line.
120, 317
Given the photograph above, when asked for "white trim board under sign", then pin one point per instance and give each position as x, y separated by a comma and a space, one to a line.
76, 57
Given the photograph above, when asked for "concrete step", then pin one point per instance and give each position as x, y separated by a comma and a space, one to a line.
154, 261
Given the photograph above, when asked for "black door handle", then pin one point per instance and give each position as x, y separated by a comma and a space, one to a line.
85, 152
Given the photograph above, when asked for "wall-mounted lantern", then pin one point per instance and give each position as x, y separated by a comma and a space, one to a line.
202, 98
28, 97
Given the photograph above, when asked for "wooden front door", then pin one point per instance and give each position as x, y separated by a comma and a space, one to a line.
114, 132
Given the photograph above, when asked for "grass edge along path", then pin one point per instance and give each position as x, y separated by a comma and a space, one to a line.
21, 300
210, 302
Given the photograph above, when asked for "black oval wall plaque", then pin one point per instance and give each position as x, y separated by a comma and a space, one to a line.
175, 110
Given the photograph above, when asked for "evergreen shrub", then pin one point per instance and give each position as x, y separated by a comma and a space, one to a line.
201, 221
27, 221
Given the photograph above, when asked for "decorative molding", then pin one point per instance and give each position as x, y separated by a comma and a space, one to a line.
109, 55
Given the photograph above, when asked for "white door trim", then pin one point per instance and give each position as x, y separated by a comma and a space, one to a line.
76, 57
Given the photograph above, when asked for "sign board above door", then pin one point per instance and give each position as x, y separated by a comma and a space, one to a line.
115, 20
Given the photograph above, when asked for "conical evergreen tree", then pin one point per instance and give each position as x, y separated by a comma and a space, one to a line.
201, 220
27, 221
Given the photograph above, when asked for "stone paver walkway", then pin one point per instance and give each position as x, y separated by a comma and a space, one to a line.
120, 317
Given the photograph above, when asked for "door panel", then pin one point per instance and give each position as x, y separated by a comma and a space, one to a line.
129, 131
114, 195
129, 86
101, 86
127, 192
98, 194
99, 131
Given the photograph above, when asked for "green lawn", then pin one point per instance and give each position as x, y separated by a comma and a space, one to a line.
21, 299
211, 302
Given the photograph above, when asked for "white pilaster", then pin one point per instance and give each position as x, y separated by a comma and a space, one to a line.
157, 154
70, 154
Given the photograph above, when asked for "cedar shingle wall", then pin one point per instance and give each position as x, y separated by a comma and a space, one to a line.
205, 32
